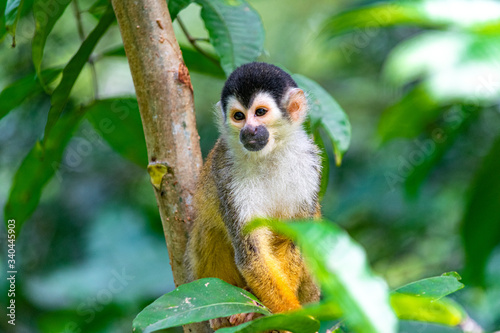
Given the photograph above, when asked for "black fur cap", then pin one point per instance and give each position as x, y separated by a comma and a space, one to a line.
254, 77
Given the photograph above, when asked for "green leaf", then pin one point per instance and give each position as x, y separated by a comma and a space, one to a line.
118, 121
465, 70
481, 222
175, 7
409, 326
292, 321
37, 168
379, 15
29, 86
341, 268
197, 62
325, 310
98, 8
443, 311
73, 69
410, 303
466, 15
46, 13
115, 52
325, 164
235, 31
433, 148
490, 28
197, 301
415, 58
433, 288
13, 10
474, 80
3, 29
325, 112
408, 117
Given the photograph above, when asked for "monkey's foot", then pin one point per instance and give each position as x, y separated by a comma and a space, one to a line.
233, 320
217, 323
241, 318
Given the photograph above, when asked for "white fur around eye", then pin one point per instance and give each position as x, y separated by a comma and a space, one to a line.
267, 101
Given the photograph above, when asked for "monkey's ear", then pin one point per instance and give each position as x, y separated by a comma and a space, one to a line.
219, 114
296, 104
218, 111
219, 107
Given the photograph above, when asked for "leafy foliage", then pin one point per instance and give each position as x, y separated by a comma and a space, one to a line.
434, 288
349, 288
228, 38
422, 13
174, 7
481, 224
295, 322
73, 69
407, 118
454, 67
424, 300
11, 15
327, 114
118, 121
201, 300
17, 92
235, 31
446, 68
28, 185
341, 269
3, 28
443, 311
45, 19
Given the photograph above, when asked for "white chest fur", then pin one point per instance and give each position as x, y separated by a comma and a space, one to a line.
279, 184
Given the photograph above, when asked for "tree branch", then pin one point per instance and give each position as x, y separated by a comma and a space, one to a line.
165, 97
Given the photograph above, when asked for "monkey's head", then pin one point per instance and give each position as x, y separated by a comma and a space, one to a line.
261, 106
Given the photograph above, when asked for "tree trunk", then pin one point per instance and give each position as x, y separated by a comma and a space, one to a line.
165, 98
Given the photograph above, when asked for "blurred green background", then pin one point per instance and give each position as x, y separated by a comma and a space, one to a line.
419, 187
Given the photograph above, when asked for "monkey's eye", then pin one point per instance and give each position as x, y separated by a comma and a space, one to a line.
260, 112
238, 116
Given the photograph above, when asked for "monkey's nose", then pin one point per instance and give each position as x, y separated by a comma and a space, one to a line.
254, 138
251, 130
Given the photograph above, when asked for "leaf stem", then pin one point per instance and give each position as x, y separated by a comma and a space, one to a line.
78, 17
194, 41
91, 62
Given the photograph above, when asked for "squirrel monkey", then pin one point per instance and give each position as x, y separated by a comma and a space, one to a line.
263, 165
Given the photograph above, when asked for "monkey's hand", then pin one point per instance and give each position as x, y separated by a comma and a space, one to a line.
234, 320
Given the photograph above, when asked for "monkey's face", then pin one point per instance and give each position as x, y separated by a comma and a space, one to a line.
253, 123
266, 121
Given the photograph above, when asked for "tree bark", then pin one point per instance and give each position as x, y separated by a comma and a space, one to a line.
165, 97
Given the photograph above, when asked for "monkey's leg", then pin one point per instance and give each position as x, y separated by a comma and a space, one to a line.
211, 254
308, 290
264, 273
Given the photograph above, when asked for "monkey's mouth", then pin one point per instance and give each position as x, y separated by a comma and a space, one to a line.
255, 145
